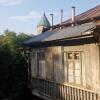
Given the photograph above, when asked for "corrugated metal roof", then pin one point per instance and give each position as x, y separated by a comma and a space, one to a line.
63, 33
57, 34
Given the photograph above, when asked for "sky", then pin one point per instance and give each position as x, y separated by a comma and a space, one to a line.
24, 15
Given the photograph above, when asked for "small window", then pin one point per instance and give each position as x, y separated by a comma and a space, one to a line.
76, 56
69, 56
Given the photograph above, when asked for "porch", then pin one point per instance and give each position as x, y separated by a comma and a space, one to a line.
50, 90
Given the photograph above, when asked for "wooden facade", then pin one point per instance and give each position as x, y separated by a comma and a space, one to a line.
67, 68
62, 71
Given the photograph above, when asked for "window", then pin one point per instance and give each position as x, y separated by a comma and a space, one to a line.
41, 64
73, 61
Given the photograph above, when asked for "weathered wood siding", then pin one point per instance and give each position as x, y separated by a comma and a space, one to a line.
90, 65
49, 68
33, 64
55, 66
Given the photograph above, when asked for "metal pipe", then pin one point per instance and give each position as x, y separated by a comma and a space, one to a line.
73, 15
61, 18
51, 20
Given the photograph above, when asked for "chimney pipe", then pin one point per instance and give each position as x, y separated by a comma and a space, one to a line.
51, 20
61, 18
73, 15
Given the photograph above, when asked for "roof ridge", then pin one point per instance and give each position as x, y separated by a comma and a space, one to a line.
85, 14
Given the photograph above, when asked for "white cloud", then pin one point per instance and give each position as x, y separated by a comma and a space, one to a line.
29, 16
10, 2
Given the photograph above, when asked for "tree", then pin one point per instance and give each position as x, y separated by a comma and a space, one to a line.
13, 69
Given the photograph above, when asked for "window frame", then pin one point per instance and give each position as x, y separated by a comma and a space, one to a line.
67, 60
40, 51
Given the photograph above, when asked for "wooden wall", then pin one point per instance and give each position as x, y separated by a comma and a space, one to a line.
90, 65
55, 69
55, 65
33, 63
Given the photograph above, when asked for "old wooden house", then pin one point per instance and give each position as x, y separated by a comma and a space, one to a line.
65, 58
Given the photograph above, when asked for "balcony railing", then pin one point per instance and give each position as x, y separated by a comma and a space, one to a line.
62, 92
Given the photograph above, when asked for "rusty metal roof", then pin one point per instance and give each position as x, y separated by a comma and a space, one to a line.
68, 32
92, 13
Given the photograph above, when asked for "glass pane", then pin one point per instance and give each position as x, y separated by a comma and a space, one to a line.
77, 80
77, 65
76, 56
42, 68
69, 56
77, 73
70, 64
71, 79
39, 68
71, 72
38, 55
43, 56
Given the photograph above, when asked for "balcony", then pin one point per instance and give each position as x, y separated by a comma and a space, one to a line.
56, 91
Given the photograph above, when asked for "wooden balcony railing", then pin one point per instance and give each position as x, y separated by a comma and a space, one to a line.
62, 92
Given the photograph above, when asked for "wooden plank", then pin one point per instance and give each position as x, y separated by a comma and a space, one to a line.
87, 95
58, 91
84, 95
68, 93
63, 92
75, 91
81, 97
74, 48
72, 93
97, 97
78, 92
91, 98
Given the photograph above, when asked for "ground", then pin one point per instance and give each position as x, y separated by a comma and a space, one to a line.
36, 98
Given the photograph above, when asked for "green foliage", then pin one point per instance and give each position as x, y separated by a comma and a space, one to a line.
13, 69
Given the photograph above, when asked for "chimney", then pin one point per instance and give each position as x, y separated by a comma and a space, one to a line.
73, 15
61, 18
51, 20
